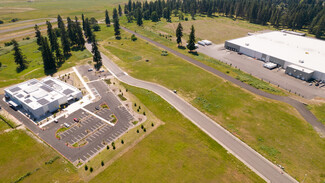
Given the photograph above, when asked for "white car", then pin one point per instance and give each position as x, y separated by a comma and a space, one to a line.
66, 125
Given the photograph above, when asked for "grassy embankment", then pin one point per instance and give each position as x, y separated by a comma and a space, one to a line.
274, 129
9, 74
319, 111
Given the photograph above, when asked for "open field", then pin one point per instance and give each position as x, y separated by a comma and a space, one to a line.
176, 151
21, 154
153, 32
270, 127
319, 111
50, 9
9, 75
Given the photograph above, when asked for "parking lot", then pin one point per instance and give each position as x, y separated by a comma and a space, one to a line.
95, 129
255, 67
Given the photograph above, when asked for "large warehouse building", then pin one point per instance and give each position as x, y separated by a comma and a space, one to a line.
40, 97
302, 57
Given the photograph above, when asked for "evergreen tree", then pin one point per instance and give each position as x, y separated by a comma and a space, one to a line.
64, 37
191, 42
88, 32
71, 31
119, 10
107, 21
80, 38
48, 58
38, 35
139, 17
154, 16
58, 55
96, 54
179, 34
20, 59
83, 21
116, 24
52, 37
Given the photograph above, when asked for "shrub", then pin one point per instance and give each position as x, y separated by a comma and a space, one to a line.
0, 64
142, 127
137, 130
14, 20
8, 43
186, 19
164, 53
144, 113
135, 104
107, 147
102, 163
122, 141
1, 21
96, 27
91, 169
152, 124
28, 38
133, 38
86, 167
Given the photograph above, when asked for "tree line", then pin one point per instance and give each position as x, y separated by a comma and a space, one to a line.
292, 14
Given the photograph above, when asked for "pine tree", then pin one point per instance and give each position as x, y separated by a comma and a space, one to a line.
58, 55
139, 17
88, 31
48, 58
80, 38
116, 24
38, 35
64, 37
83, 21
107, 21
52, 37
20, 59
119, 10
179, 34
191, 42
96, 54
71, 31
154, 16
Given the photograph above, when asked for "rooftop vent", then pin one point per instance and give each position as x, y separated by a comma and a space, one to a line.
301, 61
247, 44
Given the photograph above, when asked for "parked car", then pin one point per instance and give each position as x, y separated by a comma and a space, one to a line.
175, 91
97, 107
90, 69
56, 121
76, 119
66, 125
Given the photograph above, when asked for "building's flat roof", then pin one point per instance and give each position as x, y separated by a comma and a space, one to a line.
301, 69
36, 94
303, 51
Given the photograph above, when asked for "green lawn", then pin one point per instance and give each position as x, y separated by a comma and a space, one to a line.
50, 8
20, 154
270, 127
3, 125
175, 152
319, 111
154, 31
9, 74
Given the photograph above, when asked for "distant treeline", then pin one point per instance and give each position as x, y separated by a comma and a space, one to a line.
292, 14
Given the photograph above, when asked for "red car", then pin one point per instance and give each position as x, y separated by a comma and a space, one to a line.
76, 119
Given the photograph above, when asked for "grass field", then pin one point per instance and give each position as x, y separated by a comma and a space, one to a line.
20, 154
319, 111
23, 9
152, 30
9, 74
270, 127
177, 151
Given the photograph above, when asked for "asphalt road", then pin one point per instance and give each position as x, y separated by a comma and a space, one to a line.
300, 107
26, 26
264, 168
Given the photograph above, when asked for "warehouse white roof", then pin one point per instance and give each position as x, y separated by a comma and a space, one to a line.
34, 93
302, 51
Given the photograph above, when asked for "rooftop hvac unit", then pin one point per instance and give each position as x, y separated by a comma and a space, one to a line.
301, 61
247, 44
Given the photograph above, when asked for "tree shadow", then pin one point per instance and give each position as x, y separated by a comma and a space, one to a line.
181, 47
20, 69
50, 72
194, 53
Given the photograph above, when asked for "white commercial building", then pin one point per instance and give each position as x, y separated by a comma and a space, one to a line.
285, 49
40, 97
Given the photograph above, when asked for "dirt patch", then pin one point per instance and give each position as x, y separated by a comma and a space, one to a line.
15, 10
